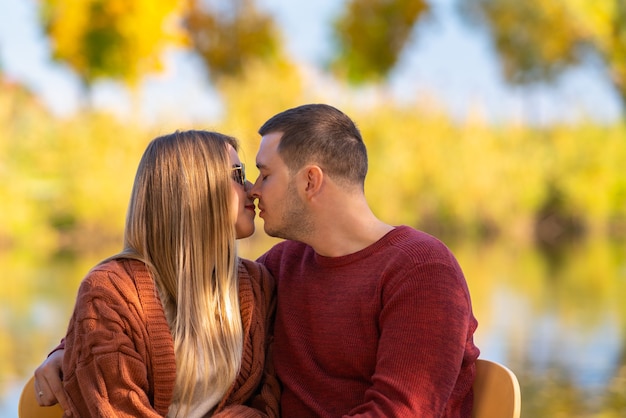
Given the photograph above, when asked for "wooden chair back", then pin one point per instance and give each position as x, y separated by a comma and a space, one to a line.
496, 391
29, 408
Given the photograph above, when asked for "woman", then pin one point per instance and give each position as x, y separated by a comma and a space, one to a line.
176, 324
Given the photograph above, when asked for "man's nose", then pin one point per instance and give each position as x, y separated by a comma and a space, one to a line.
251, 189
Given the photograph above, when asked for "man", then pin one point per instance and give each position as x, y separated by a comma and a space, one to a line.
372, 320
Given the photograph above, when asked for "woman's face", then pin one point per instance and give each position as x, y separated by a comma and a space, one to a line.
243, 209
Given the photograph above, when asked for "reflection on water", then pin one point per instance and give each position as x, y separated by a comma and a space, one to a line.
558, 322
557, 319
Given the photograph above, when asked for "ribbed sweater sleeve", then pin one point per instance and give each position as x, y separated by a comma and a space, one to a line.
119, 356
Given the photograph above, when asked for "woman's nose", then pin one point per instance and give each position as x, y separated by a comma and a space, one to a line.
248, 186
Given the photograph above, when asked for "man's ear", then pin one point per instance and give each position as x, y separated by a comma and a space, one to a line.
312, 178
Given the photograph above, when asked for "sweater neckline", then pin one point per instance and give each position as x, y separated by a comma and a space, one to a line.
325, 261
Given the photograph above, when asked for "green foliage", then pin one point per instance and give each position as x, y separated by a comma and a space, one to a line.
537, 40
524, 35
229, 38
121, 39
65, 181
584, 162
65, 184
370, 35
124, 39
252, 97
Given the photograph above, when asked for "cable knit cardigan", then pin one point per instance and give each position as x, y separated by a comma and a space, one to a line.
119, 353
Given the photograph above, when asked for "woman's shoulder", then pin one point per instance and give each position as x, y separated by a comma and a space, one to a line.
253, 269
255, 273
109, 267
118, 276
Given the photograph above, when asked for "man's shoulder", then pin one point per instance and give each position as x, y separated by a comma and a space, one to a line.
283, 252
410, 235
416, 243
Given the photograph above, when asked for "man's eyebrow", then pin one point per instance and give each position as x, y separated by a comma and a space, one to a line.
261, 166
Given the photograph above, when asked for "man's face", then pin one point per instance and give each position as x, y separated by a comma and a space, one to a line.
279, 204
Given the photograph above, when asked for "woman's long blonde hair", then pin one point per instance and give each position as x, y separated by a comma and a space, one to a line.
179, 224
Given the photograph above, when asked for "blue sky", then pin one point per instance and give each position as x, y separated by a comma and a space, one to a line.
447, 61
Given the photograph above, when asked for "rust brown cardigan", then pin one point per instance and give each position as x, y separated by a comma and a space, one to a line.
119, 353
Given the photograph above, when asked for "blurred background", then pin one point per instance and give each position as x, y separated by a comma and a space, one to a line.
497, 125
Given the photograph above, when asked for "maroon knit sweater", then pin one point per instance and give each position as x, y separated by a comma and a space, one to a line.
385, 332
119, 353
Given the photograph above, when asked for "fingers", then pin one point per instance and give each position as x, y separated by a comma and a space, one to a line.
49, 382
44, 394
60, 396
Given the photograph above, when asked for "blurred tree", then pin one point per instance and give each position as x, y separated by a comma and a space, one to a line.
370, 36
538, 39
120, 39
227, 35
